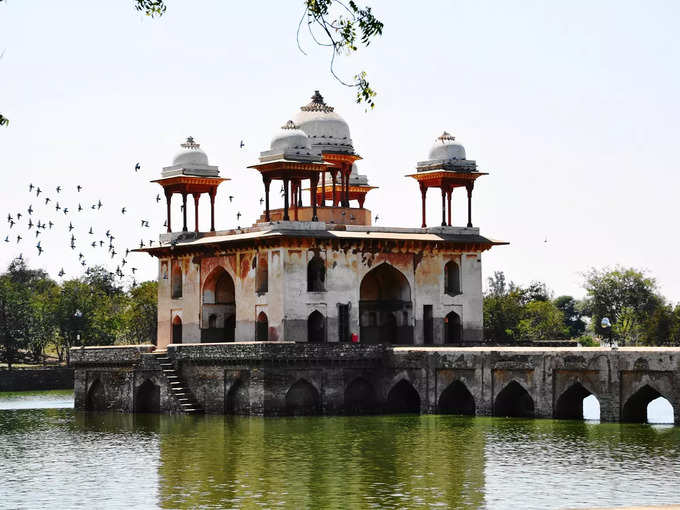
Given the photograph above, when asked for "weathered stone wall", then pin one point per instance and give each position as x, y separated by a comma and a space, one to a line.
36, 379
275, 378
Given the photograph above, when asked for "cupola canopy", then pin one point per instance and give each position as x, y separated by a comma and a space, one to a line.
327, 130
445, 148
191, 154
289, 137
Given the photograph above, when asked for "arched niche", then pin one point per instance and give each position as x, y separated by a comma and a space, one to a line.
176, 279
453, 329
403, 398
636, 408
316, 275
219, 307
360, 397
514, 402
148, 398
452, 278
385, 295
262, 328
302, 399
316, 327
456, 399
177, 330
96, 397
237, 400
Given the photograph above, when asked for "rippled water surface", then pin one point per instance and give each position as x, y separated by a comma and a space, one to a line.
57, 457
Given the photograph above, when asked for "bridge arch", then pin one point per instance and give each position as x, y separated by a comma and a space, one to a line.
148, 398
403, 398
96, 397
569, 405
635, 409
456, 399
360, 397
384, 294
238, 399
303, 399
514, 401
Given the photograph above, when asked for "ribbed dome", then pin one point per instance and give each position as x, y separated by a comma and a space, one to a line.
191, 154
323, 126
445, 148
290, 137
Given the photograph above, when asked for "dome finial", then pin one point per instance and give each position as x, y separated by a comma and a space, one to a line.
191, 144
289, 125
317, 104
446, 137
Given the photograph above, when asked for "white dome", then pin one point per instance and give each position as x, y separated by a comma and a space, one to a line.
445, 149
290, 137
191, 154
323, 126
355, 178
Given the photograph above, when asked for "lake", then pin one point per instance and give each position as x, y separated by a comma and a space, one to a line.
53, 456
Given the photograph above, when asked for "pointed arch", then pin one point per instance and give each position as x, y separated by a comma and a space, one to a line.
569, 405
452, 328
316, 275
148, 398
635, 408
302, 399
219, 307
403, 398
316, 327
262, 328
385, 294
452, 278
514, 401
360, 397
238, 398
96, 396
177, 330
456, 399
176, 279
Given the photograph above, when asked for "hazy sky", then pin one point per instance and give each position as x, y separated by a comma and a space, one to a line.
572, 107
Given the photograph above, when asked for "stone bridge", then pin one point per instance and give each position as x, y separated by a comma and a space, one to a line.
279, 378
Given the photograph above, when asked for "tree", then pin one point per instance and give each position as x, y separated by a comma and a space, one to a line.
625, 295
15, 319
542, 320
573, 317
141, 314
502, 309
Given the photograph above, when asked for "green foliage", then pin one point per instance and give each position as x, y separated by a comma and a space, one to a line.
626, 296
4, 121
587, 341
141, 314
151, 8
573, 316
15, 319
541, 320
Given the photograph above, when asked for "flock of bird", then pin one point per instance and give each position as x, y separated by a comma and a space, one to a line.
76, 222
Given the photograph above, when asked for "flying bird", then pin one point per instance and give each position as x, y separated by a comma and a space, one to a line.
9, 217
79, 187
377, 217
90, 232
50, 224
99, 204
242, 145
238, 215
123, 210
231, 197
37, 192
19, 238
7, 239
80, 207
47, 200
58, 189
137, 167
30, 224
94, 244
261, 201
61, 273
30, 187
19, 216
65, 210
40, 250
158, 198
57, 207
30, 209
70, 226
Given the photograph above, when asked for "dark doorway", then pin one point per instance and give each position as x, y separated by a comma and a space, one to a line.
360, 397
148, 398
570, 404
452, 278
316, 328
262, 328
96, 397
302, 399
452, 328
514, 402
343, 323
238, 400
457, 399
316, 275
219, 306
177, 330
403, 398
428, 323
384, 294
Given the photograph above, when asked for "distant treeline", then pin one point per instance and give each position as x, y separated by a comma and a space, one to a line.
39, 314
630, 299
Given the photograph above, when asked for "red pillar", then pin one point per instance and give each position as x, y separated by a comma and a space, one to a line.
184, 211
323, 190
448, 196
285, 200
168, 200
296, 189
361, 201
443, 206
197, 197
469, 188
423, 192
213, 192
334, 174
267, 181
314, 182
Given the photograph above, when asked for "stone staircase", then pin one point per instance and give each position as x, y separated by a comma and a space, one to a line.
178, 389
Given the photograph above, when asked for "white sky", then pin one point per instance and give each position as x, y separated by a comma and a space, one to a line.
571, 107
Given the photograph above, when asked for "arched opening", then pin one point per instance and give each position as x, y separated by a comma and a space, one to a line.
514, 402
96, 397
148, 398
385, 292
457, 399
452, 278
452, 328
316, 327
176, 279
636, 409
177, 330
302, 399
569, 405
360, 397
219, 306
660, 410
403, 398
238, 399
262, 328
262, 273
316, 275
591, 408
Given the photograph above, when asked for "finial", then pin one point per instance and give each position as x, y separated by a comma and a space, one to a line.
190, 143
446, 137
317, 104
289, 125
